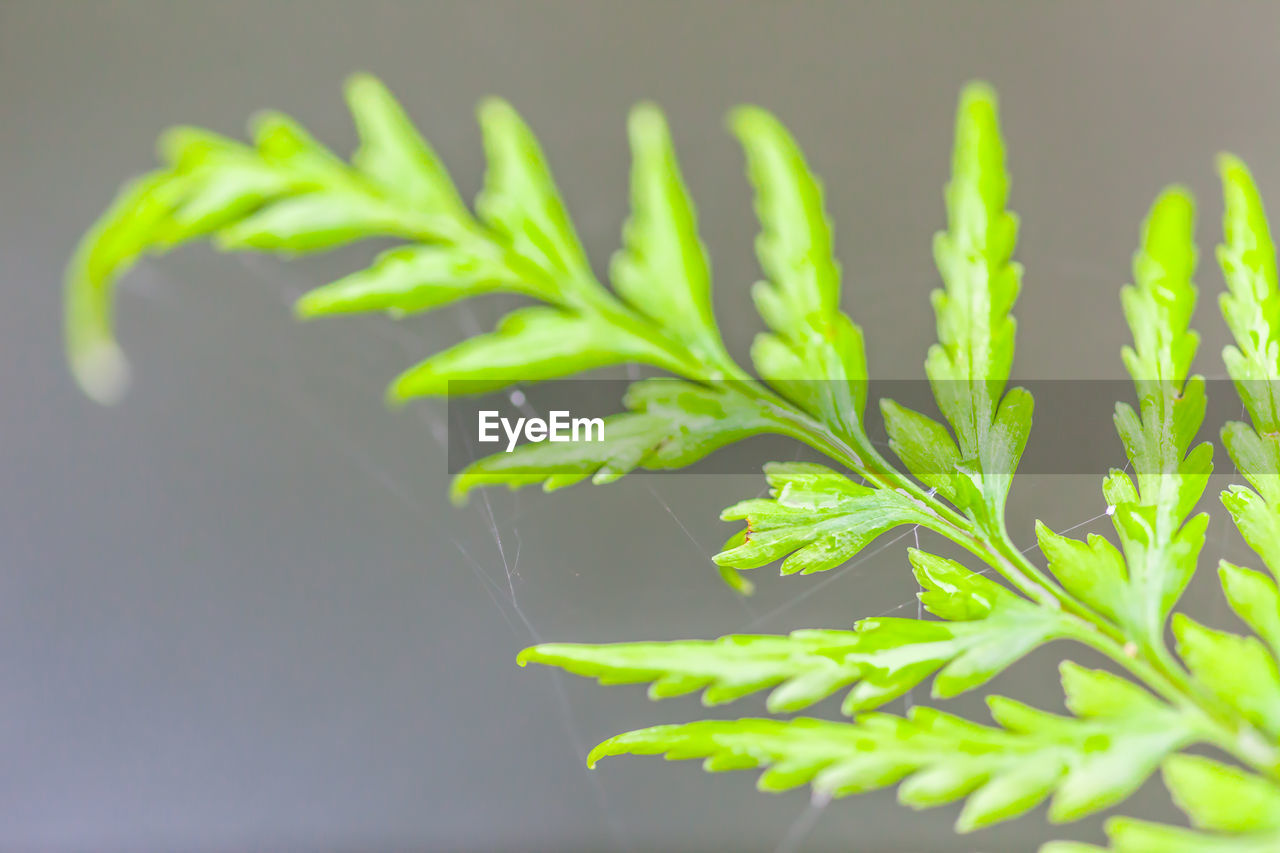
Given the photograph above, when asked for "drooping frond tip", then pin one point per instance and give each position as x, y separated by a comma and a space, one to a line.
122, 233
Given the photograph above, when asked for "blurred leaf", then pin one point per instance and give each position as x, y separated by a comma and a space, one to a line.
1222, 798
394, 155
521, 203
1239, 671
529, 344
663, 268
407, 280
1218, 798
1254, 598
1251, 305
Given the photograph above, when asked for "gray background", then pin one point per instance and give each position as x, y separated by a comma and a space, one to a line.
237, 612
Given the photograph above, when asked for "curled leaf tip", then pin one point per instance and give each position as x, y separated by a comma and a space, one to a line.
460, 491
102, 372
394, 397
597, 753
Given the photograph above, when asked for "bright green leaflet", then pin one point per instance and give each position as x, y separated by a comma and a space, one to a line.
286, 193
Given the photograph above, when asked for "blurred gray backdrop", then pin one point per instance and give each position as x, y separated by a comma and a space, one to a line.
237, 611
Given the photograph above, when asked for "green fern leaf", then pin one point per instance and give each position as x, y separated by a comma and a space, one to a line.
124, 232
1136, 836
287, 193
1238, 670
883, 658
521, 203
663, 268
408, 280
1243, 807
971, 363
927, 450
986, 629
1251, 305
1255, 599
1222, 798
1160, 545
528, 345
817, 519
1087, 762
1093, 570
814, 355
393, 155
802, 668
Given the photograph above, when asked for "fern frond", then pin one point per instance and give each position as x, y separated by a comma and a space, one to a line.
1087, 762
1150, 515
814, 354
986, 628
1249, 681
802, 668
1251, 307
971, 363
288, 194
